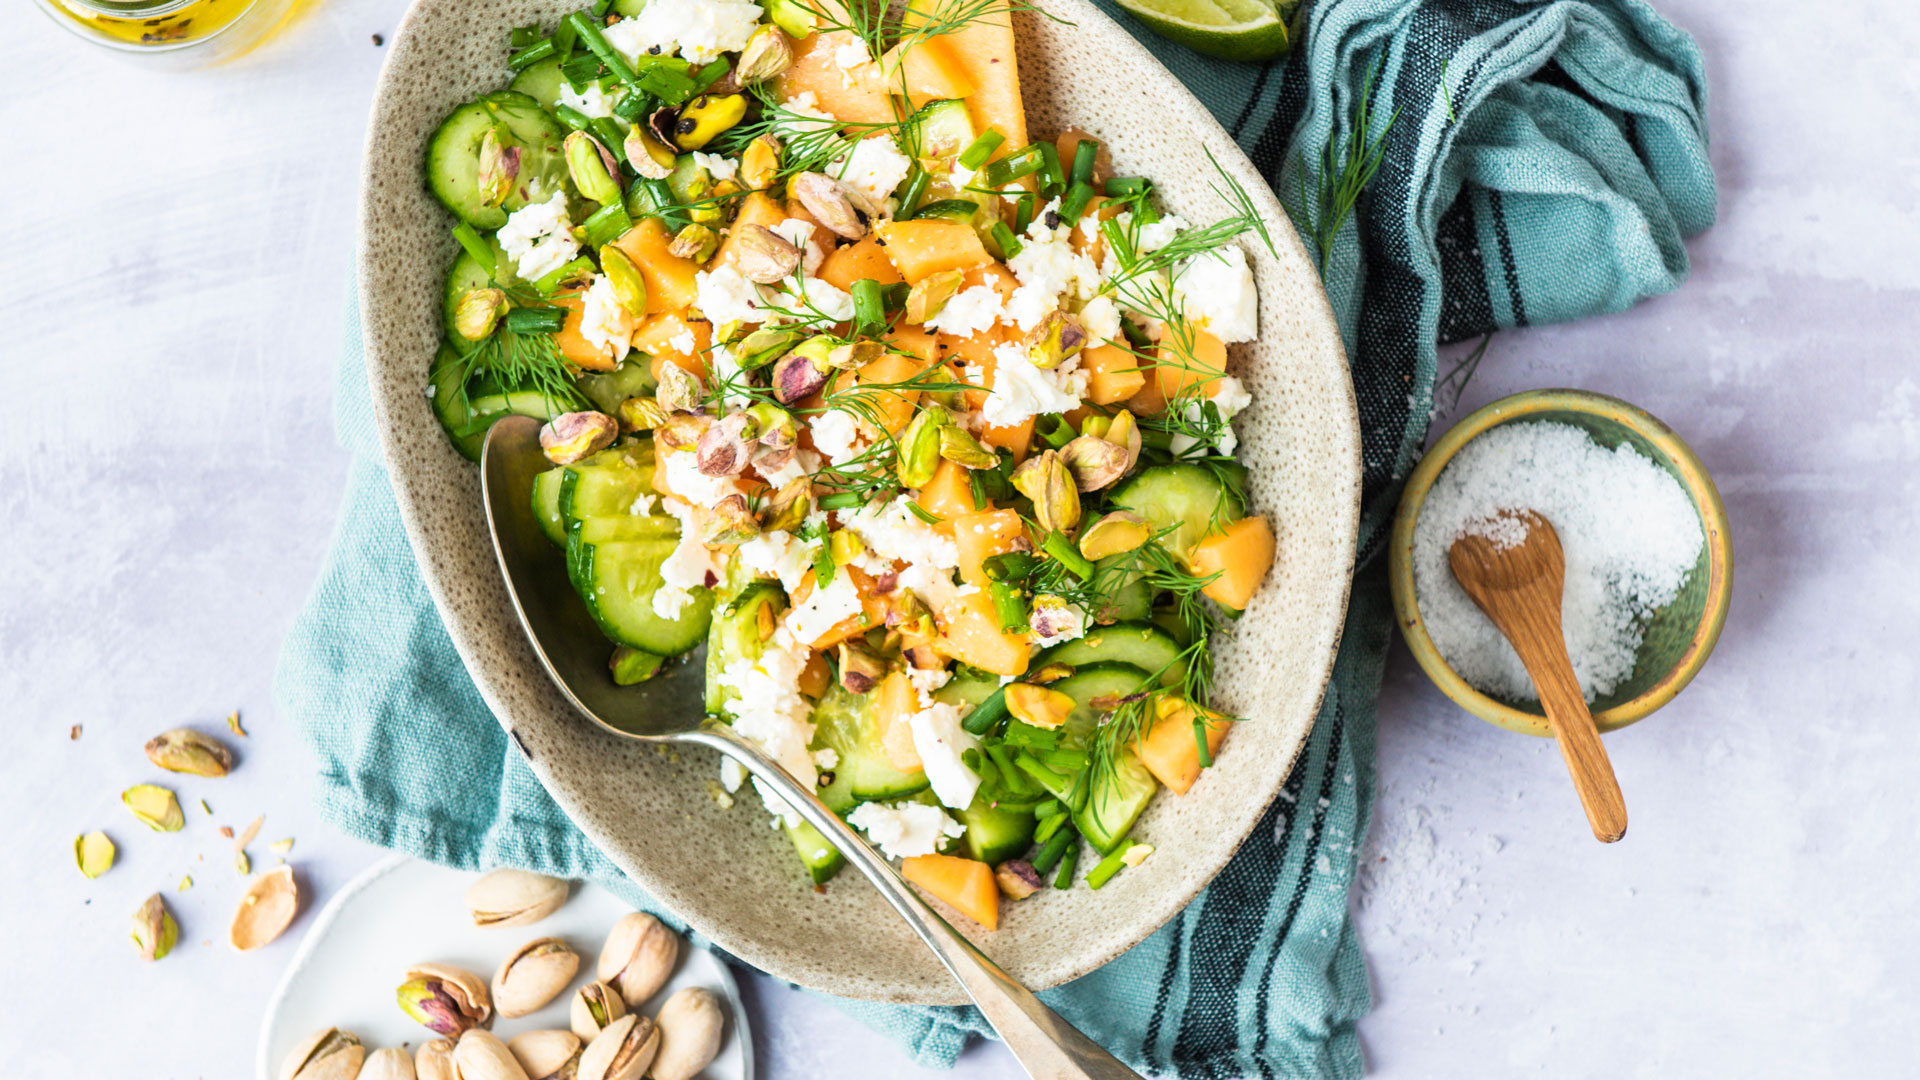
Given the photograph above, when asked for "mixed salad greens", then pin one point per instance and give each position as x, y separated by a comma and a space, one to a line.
921, 425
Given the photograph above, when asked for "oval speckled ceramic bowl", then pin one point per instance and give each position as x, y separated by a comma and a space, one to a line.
1678, 637
733, 878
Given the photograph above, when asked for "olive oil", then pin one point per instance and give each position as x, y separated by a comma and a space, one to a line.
190, 33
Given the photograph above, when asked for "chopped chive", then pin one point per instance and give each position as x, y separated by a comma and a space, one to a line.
984, 716
1023, 213
1075, 202
573, 118
1009, 244
1125, 187
1009, 566
535, 320
1053, 180
1016, 780
1109, 866
1048, 827
1200, 740
522, 36
869, 306
1055, 430
530, 56
633, 105
607, 224
1082, 789
1023, 162
1068, 863
477, 247
1057, 545
980, 149
924, 514
1009, 605
1051, 853
911, 191
712, 73
1083, 154
1037, 769
600, 8
1068, 760
1050, 808
840, 500
982, 767
598, 45
1118, 241
564, 38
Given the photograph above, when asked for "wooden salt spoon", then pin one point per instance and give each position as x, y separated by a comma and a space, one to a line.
1519, 587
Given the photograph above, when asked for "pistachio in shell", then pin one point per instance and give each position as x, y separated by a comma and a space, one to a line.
509, 897
391, 1063
155, 806
622, 1052
638, 957
94, 853
594, 1006
480, 1055
184, 750
154, 931
327, 1054
691, 1025
534, 975
434, 1061
547, 1055
266, 909
445, 999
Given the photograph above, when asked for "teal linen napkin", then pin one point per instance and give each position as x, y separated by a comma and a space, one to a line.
1543, 162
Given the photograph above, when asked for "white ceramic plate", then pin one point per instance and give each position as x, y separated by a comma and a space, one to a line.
403, 911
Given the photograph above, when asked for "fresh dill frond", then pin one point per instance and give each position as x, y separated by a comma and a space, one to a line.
520, 362
1346, 167
1462, 373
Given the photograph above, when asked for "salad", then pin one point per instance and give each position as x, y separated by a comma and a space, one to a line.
923, 426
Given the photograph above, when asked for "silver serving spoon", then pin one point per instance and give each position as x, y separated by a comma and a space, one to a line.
671, 708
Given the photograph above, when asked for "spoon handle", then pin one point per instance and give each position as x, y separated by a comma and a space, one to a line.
1047, 1046
1542, 648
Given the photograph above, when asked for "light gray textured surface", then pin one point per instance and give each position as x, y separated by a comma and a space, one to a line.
177, 252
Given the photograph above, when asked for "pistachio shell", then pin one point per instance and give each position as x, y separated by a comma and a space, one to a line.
762, 255
569, 437
638, 957
514, 898
155, 806
482, 1056
388, 1064
444, 998
691, 1025
534, 975
94, 853
832, 203
327, 1054
621, 1052
266, 910
435, 1061
594, 1006
547, 1055
185, 750
154, 931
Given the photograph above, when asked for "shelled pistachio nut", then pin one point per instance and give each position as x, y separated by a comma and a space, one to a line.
622, 1052
628, 283
1116, 533
569, 437
481, 1055
435, 1061
154, 931
594, 1006
920, 447
514, 898
704, 118
833, 204
788, 507
691, 1025
957, 446
593, 167
1058, 337
649, 157
94, 853
760, 163
696, 241
499, 168
478, 312
767, 53
184, 750
327, 1054
762, 255
641, 414
1045, 479
930, 294
445, 999
534, 975
266, 909
391, 1063
547, 1055
730, 521
1094, 462
638, 957
155, 806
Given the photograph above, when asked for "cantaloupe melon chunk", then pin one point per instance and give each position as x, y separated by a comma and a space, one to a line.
979, 537
1197, 361
670, 283
970, 633
1241, 554
758, 208
1170, 751
665, 336
1015, 439
852, 97
949, 495
928, 69
849, 263
1113, 374
815, 676
926, 246
895, 406
983, 49
963, 883
894, 702
580, 352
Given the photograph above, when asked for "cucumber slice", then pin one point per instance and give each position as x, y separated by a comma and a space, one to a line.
625, 528
541, 82
995, 833
1088, 684
607, 389
467, 273
967, 689
618, 580
546, 505
1130, 602
466, 417
736, 636
1140, 644
844, 724
1116, 801
606, 484
940, 129
1189, 498
453, 156
819, 857
961, 210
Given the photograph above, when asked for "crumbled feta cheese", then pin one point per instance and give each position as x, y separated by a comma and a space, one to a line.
604, 321
801, 117
849, 58
591, 100
826, 758
813, 297
798, 464
940, 741
1230, 399
838, 435
699, 30
801, 235
1158, 234
643, 505
823, 609
969, 312
926, 680
770, 710
894, 532
1021, 390
539, 238
906, 830
1216, 290
781, 555
684, 343
1101, 318
960, 176
718, 166
732, 774
875, 168
684, 478
725, 296
688, 568
1047, 266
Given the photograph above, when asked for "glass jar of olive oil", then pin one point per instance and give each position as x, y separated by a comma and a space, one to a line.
173, 33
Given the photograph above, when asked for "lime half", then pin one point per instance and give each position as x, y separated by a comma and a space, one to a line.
1230, 29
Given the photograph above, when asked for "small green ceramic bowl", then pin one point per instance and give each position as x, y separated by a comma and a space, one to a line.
1679, 636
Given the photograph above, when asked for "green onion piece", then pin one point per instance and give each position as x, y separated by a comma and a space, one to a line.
611, 137
983, 718
654, 198
1009, 566
1200, 740
911, 191
1049, 808
840, 500
522, 36
1023, 213
1075, 202
1057, 545
712, 73
869, 306
598, 45
1067, 760
980, 149
1053, 179
1033, 767
669, 77
1048, 827
1145, 214
1082, 789
607, 224
924, 514
1055, 430
1022, 162
1026, 735
1135, 336
1009, 244
573, 118
564, 38
1125, 187
477, 247
535, 320
600, 8
1016, 780
633, 105
530, 56
580, 70
1118, 241
1083, 154
1109, 866
982, 767
1051, 853
1156, 439
1009, 604
1068, 863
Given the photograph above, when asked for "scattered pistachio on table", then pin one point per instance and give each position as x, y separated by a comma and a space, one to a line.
548, 1054
638, 957
514, 898
534, 975
154, 931
327, 1054
622, 1052
690, 1025
94, 853
155, 806
434, 1061
594, 1006
184, 750
391, 1063
266, 909
445, 999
